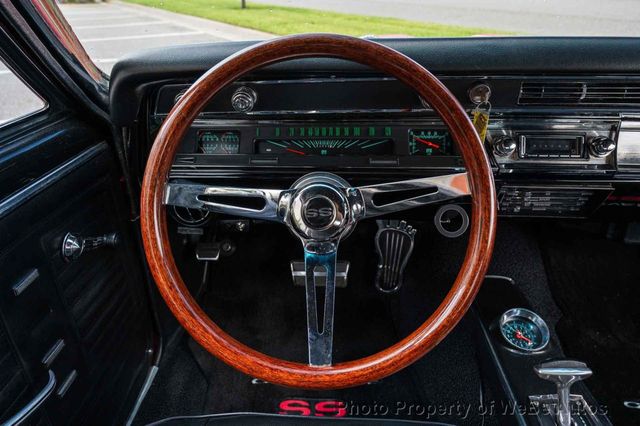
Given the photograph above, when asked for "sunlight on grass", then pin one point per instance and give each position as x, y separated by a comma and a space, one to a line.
289, 20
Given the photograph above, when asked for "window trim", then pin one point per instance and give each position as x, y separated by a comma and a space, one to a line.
45, 107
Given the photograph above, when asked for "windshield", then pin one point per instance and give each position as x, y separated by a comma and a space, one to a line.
109, 30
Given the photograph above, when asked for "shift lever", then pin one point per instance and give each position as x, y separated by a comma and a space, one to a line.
563, 373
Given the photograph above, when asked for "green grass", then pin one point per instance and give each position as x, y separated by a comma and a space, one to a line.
289, 20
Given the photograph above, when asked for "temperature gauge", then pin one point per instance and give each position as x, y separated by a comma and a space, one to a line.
429, 142
218, 142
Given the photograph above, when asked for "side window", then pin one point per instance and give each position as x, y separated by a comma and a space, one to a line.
16, 98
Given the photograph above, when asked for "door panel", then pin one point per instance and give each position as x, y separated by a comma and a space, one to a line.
88, 321
14, 384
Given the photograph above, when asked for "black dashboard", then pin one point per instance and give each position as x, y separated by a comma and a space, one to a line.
563, 136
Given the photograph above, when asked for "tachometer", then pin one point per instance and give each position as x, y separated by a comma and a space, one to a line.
524, 330
325, 146
429, 142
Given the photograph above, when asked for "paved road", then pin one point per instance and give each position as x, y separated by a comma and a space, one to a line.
535, 17
110, 30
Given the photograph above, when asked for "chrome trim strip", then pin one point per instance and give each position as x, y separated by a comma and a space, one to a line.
28, 279
64, 387
320, 80
53, 353
310, 112
33, 405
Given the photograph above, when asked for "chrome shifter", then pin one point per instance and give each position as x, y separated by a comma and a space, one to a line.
563, 373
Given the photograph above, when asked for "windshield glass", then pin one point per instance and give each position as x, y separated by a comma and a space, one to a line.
109, 30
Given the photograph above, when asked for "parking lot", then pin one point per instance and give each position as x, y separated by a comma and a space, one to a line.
111, 30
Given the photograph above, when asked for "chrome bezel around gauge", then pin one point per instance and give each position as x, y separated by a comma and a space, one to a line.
530, 316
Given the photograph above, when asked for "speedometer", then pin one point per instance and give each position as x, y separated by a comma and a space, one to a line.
325, 146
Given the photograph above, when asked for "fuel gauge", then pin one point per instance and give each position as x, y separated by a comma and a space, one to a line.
429, 142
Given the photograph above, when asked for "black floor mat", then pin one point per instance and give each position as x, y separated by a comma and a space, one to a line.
596, 284
259, 306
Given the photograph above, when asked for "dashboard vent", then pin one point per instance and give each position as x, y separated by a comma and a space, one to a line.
580, 93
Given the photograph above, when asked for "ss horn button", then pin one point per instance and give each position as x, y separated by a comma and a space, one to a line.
321, 208
319, 212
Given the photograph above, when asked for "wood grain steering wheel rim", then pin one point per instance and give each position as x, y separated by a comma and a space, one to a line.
287, 373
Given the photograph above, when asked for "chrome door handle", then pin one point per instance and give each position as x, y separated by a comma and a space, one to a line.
33, 405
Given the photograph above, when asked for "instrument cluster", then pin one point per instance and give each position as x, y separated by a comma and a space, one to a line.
523, 144
305, 141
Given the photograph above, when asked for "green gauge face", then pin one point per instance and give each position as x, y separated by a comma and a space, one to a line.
218, 142
429, 142
522, 334
524, 330
327, 146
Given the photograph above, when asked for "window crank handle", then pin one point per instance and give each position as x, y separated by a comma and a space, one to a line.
73, 245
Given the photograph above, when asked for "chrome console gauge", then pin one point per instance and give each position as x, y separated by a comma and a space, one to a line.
524, 330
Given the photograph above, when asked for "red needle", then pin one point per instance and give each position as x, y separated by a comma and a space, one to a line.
295, 151
427, 143
521, 336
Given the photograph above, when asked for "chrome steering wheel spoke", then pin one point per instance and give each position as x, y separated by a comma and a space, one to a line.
320, 340
397, 196
265, 204
321, 209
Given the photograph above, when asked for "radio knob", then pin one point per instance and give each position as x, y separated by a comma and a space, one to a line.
504, 146
601, 146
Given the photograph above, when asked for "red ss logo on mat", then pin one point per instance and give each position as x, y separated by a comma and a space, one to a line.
317, 408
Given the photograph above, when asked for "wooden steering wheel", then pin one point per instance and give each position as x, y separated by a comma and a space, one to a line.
320, 208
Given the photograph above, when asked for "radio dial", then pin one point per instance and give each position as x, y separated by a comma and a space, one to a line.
602, 146
504, 146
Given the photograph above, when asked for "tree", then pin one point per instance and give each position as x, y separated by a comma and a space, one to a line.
244, 4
